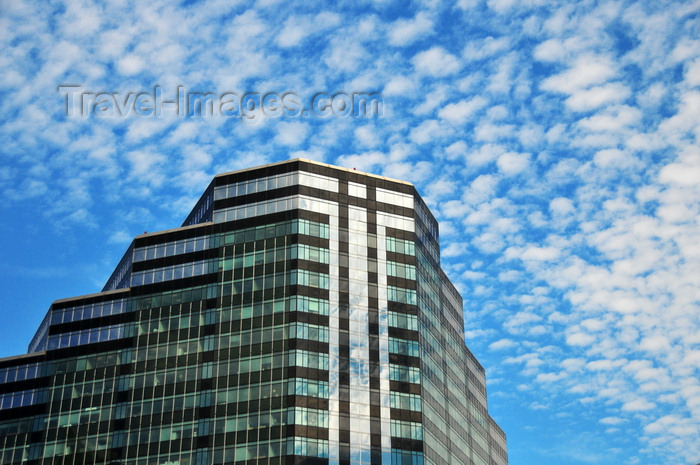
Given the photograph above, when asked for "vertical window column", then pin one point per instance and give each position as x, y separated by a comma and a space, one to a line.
333, 340
359, 339
343, 385
383, 330
375, 348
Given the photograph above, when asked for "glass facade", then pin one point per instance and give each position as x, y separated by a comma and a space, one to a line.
299, 315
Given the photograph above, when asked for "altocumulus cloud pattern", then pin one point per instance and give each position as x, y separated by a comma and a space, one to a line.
557, 143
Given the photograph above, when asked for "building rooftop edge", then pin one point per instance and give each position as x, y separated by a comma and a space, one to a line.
22, 356
179, 228
87, 296
306, 160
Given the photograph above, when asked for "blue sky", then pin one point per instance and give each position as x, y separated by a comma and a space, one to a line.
556, 142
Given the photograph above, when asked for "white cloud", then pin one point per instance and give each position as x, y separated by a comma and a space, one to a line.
440, 187
120, 237
298, 28
579, 339
345, 54
406, 31
684, 121
550, 50
612, 420
293, 32
692, 73
561, 206
432, 100
291, 134
655, 343
549, 377
686, 173
485, 154
531, 135
531, 253
80, 18
502, 80
614, 119
436, 62
586, 71
473, 276
502, 344
453, 209
595, 97
485, 48
367, 136
144, 165
637, 405
130, 65
512, 163
428, 131
458, 113
467, 4
456, 149
613, 158
454, 249
411, 172
400, 86
501, 6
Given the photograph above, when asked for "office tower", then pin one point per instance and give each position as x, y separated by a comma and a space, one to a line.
299, 315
